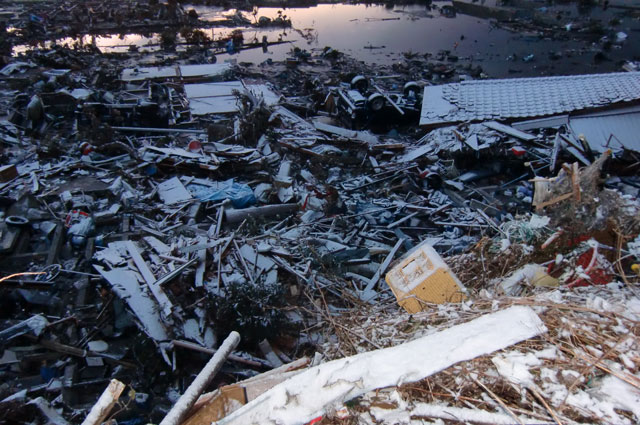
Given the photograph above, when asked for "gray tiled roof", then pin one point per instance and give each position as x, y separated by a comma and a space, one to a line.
525, 97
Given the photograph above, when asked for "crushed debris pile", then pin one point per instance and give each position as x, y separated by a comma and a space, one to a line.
584, 369
312, 240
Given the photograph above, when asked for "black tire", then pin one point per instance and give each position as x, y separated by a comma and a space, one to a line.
360, 83
16, 220
376, 102
411, 86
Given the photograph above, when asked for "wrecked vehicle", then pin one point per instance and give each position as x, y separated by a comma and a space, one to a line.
358, 104
187, 238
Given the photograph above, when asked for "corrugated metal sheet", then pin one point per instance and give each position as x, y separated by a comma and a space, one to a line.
525, 97
620, 128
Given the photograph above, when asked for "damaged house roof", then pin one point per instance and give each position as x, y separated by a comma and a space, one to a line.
525, 97
609, 129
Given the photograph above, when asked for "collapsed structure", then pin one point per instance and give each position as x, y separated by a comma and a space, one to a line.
151, 211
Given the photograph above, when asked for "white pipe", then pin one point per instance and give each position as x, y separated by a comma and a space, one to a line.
186, 401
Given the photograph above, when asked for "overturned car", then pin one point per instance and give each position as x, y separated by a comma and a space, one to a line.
361, 102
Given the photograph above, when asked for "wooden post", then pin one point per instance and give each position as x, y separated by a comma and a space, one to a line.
105, 403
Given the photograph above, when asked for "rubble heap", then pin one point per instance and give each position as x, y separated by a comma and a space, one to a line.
149, 212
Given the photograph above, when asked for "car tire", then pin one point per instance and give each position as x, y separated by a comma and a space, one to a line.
376, 102
411, 86
360, 83
16, 220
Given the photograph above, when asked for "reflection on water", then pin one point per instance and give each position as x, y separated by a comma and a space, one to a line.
106, 43
372, 33
345, 27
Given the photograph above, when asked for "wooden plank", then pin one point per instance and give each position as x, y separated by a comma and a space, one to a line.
56, 244
575, 150
202, 258
575, 182
402, 220
386, 96
208, 408
223, 402
146, 273
105, 403
509, 130
554, 200
383, 267
554, 153
471, 141
219, 220
158, 246
126, 286
200, 246
269, 354
244, 264
233, 357
152, 231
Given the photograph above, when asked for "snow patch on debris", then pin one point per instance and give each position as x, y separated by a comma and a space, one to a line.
307, 395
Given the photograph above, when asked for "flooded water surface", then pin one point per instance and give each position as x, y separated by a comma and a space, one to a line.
384, 34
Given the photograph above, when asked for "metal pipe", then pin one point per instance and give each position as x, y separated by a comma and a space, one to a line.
159, 130
175, 273
236, 216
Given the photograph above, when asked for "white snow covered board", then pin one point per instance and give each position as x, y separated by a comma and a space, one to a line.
213, 98
194, 91
416, 153
158, 246
363, 136
509, 130
402, 415
173, 191
290, 117
127, 287
149, 73
184, 71
172, 152
307, 395
205, 70
81, 94
513, 98
264, 91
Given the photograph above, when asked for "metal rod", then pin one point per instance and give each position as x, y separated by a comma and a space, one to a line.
211, 351
159, 130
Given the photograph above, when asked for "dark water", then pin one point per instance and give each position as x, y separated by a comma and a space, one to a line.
379, 34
